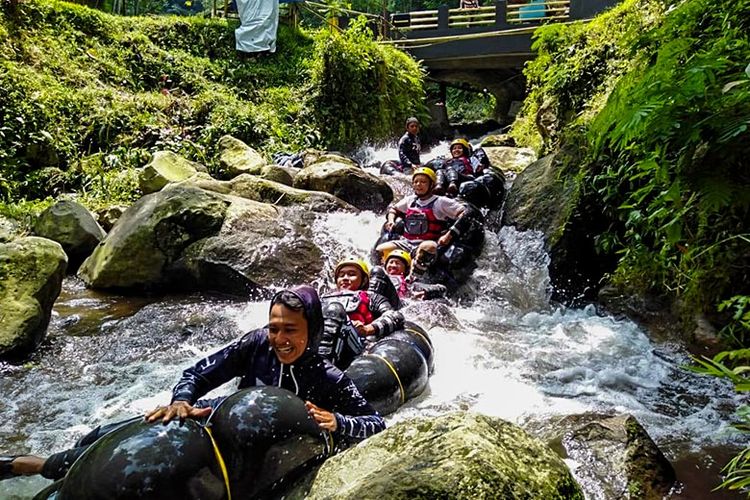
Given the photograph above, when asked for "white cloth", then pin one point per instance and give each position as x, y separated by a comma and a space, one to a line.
259, 20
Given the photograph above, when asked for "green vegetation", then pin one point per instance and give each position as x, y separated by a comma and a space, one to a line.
658, 97
86, 97
466, 106
663, 100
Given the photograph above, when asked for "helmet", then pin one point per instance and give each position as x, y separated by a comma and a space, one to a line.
475, 193
352, 260
464, 143
412, 119
399, 254
425, 171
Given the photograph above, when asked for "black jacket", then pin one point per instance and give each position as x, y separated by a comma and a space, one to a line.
408, 150
311, 378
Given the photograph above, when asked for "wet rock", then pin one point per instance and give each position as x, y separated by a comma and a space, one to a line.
251, 253
31, 274
72, 226
547, 197
311, 156
498, 140
459, 455
614, 457
266, 191
166, 167
151, 235
236, 157
350, 183
278, 174
510, 159
107, 217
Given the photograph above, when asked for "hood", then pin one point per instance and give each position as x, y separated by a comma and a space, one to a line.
313, 313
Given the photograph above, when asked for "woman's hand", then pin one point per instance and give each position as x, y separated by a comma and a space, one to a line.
179, 409
362, 329
325, 419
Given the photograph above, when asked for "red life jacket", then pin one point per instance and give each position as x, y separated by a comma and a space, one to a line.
356, 304
399, 283
462, 165
420, 223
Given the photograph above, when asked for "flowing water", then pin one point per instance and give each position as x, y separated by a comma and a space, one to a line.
501, 349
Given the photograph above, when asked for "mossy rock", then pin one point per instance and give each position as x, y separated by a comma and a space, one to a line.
72, 226
350, 183
236, 157
151, 235
31, 274
278, 174
256, 188
455, 456
509, 159
166, 167
498, 140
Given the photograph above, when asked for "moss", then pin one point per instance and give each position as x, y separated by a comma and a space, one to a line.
78, 82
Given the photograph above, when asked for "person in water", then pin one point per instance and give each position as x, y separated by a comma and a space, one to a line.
426, 217
354, 316
460, 167
398, 265
283, 353
409, 146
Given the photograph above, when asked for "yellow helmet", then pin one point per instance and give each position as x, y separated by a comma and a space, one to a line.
425, 171
399, 254
464, 143
352, 260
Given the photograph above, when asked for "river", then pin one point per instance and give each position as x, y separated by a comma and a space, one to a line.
502, 348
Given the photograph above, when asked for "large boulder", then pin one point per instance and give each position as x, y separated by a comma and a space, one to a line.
350, 183
547, 197
192, 238
151, 235
276, 173
236, 157
31, 274
612, 456
267, 191
509, 159
498, 140
252, 253
166, 167
455, 456
72, 226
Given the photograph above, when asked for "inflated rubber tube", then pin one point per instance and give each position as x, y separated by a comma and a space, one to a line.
394, 369
263, 435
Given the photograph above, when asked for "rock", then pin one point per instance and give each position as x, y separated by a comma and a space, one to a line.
166, 167
236, 157
548, 121
192, 238
31, 274
258, 189
510, 159
250, 253
351, 184
498, 140
107, 217
312, 156
547, 197
72, 226
151, 235
8, 229
278, 174
614, 456
459, 455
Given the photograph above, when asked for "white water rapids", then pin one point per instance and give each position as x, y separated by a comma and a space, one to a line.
501, 349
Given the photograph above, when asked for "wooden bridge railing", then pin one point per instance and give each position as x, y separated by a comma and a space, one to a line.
503, 13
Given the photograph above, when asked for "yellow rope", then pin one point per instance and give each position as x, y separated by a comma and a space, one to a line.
220, 459
395, 374
427, 341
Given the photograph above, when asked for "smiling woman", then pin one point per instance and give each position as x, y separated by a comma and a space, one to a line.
283, 354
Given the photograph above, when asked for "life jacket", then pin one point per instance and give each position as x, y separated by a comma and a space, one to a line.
356, 304
399, 283
462, 165
420, 223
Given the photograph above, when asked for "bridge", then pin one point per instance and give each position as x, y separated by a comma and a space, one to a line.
484, 47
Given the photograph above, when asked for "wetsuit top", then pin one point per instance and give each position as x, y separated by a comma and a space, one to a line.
408, 150
462, 165
385, 319
311, 377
